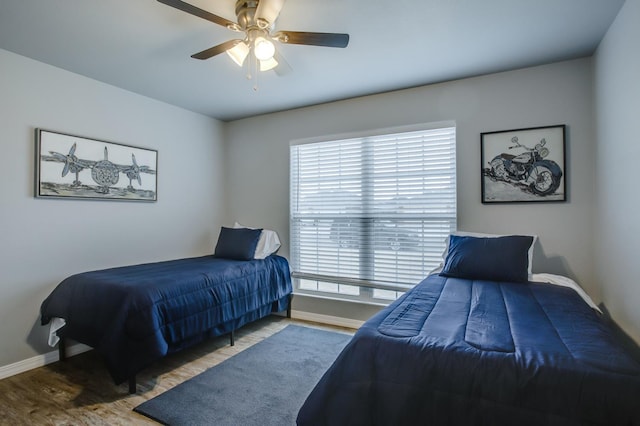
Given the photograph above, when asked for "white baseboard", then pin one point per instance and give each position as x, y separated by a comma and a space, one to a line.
40, 361
327, 319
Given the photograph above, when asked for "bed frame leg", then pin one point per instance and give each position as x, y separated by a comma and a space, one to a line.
132, 384
62, 350
232, 338
289, 306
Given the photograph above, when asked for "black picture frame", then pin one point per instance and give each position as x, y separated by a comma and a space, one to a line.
75, 167
524, 165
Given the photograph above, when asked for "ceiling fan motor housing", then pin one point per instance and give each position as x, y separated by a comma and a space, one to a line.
246, 13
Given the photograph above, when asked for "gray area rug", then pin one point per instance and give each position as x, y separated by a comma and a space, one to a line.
265, 384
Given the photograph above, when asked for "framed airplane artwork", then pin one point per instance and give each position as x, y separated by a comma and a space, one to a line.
70, 166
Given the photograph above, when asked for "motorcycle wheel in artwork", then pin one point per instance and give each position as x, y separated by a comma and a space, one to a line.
529, 170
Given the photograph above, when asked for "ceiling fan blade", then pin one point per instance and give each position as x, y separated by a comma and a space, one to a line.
269, 10
312, 39
186, 7
216, 50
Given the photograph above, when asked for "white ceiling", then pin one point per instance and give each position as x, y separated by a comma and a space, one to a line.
145, 46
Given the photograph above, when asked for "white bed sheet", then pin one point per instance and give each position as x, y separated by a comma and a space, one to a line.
565, 282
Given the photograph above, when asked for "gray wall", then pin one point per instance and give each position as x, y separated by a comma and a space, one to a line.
43, 241
617, 102
561, 93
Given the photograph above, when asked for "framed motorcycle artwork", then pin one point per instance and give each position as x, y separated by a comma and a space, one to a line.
523, 165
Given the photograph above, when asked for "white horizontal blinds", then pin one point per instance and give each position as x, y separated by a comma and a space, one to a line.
326, 197
413, 191
375, 209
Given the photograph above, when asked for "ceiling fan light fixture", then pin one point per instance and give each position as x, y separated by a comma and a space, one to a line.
264, 49
239, 53
268, 64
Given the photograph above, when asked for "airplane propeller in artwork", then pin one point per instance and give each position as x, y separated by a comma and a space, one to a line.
133, 171
71, 163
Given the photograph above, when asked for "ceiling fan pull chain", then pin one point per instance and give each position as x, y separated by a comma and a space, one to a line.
252, 70
255, 86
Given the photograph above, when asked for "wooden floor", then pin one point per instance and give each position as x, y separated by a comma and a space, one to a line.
80, 391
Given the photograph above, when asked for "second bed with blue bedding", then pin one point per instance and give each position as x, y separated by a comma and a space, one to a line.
459, 350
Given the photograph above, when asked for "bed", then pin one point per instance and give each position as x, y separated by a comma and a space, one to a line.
134, 315
481, 342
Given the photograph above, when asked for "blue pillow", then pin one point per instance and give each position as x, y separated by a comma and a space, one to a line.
490, 259
237, 243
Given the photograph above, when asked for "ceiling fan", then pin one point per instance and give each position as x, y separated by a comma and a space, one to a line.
256, 19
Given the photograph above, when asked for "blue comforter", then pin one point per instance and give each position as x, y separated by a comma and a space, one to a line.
135, 315
460, 352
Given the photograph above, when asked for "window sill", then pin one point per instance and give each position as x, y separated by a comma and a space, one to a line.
338, 298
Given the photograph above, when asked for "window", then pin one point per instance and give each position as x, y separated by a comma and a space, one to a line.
369, 215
